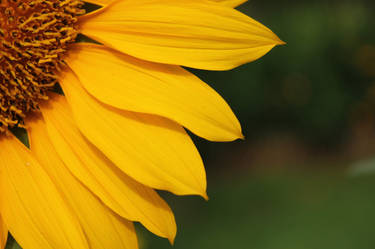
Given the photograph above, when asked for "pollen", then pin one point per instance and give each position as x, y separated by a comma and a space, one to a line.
34, 36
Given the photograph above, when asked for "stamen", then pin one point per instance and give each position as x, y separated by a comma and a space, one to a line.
34, 35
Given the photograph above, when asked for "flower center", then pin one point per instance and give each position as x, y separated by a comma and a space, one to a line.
34, 35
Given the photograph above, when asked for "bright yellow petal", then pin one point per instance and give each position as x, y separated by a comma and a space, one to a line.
153, 150
3, 233
154, 88
193, 33
31, 206
231, 3
96, 220
101, 2
125, 196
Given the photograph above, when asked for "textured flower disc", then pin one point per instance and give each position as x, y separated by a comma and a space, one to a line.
34, 35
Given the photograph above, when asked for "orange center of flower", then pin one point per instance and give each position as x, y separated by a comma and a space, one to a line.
34, 35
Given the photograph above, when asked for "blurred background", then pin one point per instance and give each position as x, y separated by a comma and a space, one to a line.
304, 178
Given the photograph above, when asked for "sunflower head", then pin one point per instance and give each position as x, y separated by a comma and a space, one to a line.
34, 35
97, 153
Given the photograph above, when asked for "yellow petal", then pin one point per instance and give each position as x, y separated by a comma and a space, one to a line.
3, 233
121, 193
96, 220
101, 2
154, 88
31, 206
193, 33
231, 3
153, 150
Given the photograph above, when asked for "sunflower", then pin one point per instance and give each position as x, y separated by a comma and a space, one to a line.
103, 99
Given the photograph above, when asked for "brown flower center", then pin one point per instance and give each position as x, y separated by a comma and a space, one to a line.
34, 35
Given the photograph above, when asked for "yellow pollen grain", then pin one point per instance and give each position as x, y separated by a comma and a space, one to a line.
34, 36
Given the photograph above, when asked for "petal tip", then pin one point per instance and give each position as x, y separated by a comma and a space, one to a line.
205, 196
241, 136
227, 137
172, 238
281, 42
201, 192
235, 133
238, 135
275, 39
171, 241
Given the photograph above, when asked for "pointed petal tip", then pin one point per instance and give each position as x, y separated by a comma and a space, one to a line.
172, 236
241, 136
281, 42
171, 240
169, 234
232, 133
236, 136
199, 192
277, 40
227, 137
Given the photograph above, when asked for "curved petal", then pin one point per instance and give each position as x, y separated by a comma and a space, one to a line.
121, 193
31, 206
231, 3
96, 220
3, 233
101, 2
154, 88
153, 150
193, 33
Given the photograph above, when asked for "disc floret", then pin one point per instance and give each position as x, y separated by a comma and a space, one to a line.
34, 36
